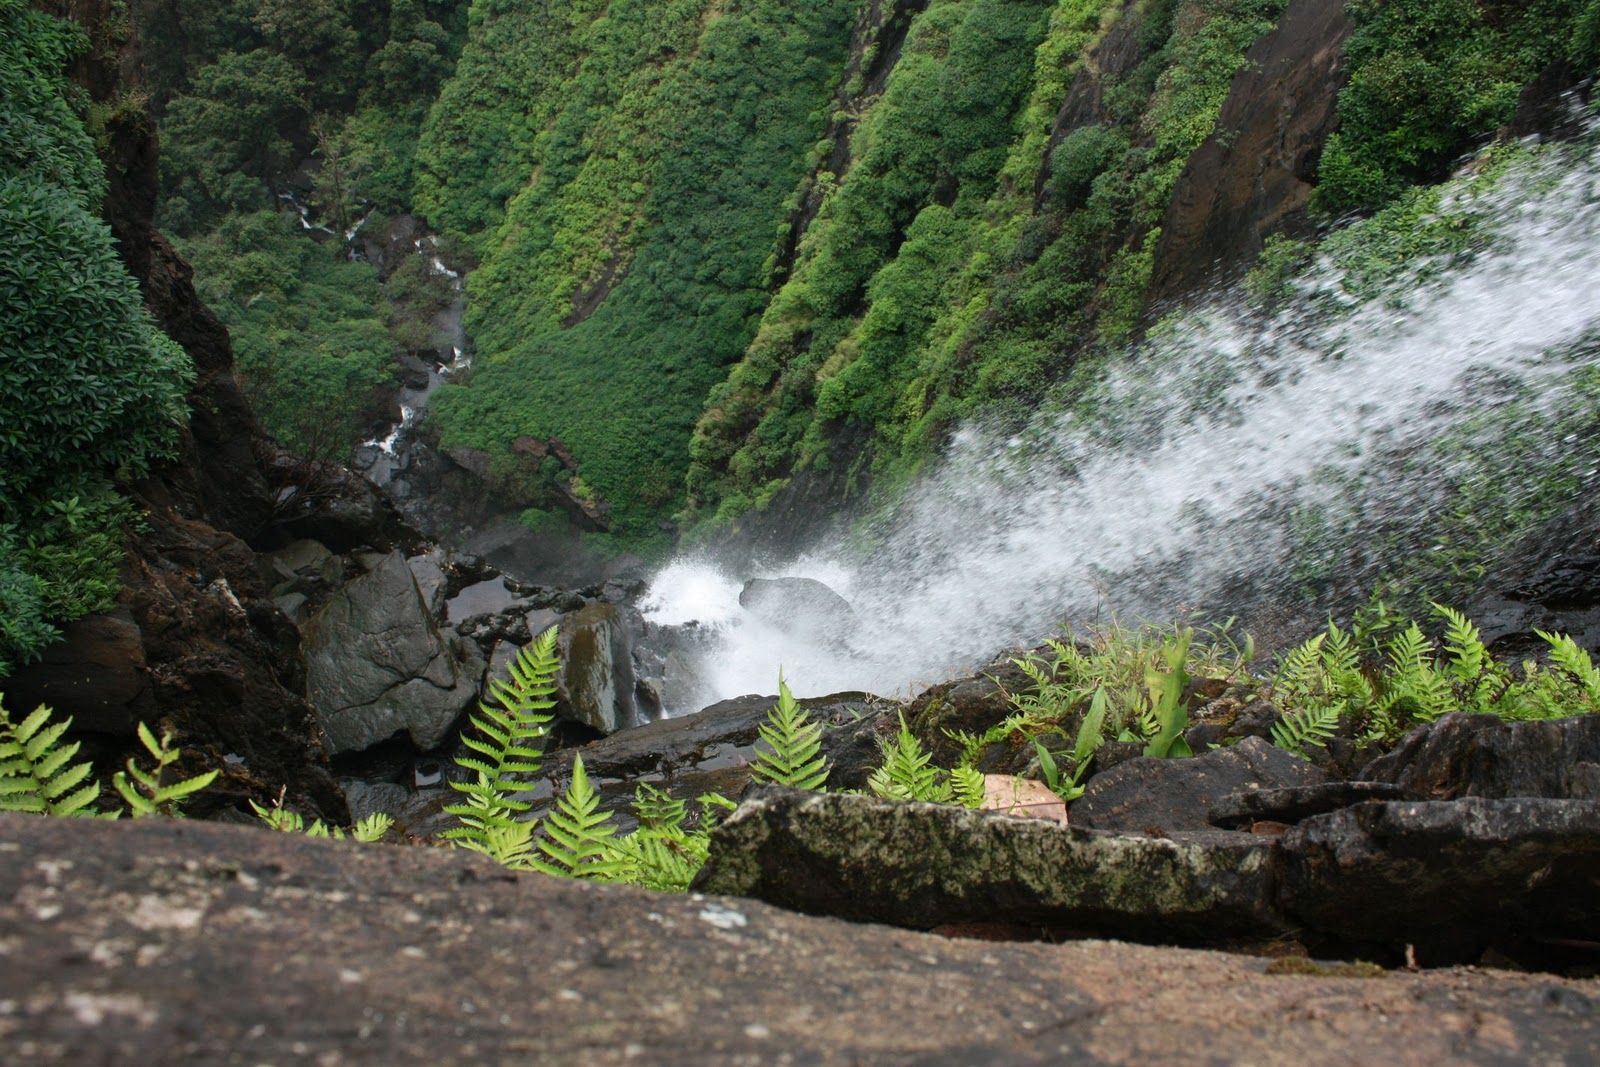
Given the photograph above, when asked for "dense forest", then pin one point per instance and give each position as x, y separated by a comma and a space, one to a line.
713, 246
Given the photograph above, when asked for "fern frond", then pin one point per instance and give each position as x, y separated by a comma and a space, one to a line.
373, 827
967, 787
661, 853
1576, 663
905, 773
146, 794
37, 774
575, 842
793, 752
510, 737
1310, 726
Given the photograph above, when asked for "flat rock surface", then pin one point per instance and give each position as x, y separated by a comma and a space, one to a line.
166, 942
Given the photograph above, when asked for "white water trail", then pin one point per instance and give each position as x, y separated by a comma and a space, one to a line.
1178, 483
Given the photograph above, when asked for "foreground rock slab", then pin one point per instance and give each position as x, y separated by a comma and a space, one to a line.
167, 942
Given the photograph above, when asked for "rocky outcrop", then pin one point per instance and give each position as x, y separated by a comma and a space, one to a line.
377, 664
1174, 794
1435, 882
926, 865
1257, 169
162, 941
1463, 755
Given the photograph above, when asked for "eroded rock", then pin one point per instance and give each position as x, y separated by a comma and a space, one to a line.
1464, 755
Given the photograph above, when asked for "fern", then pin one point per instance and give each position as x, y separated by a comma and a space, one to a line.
967, 787
793, 752
279, 818
511, 745
906, 774
37, 774
576, 841
661, 853
1480, 683
144, 791
1309, 726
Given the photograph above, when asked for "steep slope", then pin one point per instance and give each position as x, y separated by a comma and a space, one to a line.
858, 243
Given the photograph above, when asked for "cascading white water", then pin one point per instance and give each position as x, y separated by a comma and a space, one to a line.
1209, 460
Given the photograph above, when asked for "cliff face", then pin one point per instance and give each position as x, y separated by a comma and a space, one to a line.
194, 642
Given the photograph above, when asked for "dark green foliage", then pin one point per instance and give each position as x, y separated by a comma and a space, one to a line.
89, 388
310, 335
227, 134
1428, 79
692, 130
907, 774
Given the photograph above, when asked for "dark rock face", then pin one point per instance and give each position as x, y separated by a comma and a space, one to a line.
1550, 581
1177, 794
96, 673
923, 865
1464, 755
1240, 811
1451, 878
163, 941
1257, 170
377, 664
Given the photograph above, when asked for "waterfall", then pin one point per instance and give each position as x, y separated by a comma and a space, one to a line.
1233, 456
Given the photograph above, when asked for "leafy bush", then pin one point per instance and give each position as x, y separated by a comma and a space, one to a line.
89, 387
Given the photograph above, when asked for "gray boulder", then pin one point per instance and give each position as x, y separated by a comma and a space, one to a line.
596, 686
377, 664
1178, 794
799, 606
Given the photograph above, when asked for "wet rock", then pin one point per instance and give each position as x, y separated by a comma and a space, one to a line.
596, 683
1452, 878
1464, 755
432, 580
970, 705
924, 865
1550, 581
1237, 811
1177, 794
799, 606
377, 664
1254, 174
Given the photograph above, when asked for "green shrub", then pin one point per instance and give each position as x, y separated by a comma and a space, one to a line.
89, 387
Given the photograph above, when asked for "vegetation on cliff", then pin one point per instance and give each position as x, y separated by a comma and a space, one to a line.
90, 389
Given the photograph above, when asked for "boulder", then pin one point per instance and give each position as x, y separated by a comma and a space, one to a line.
926, 865
1177, 794
596, 686
1451, 878
802, 606
1466, 755
377, 664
